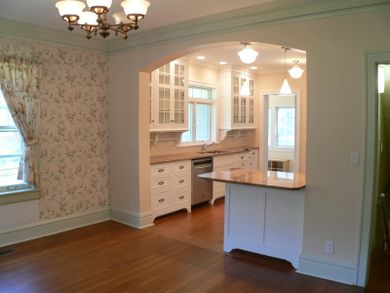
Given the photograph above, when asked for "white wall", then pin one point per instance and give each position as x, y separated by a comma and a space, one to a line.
336, 48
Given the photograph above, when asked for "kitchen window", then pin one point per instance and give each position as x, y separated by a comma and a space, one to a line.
281, 127
11, 150
200, 115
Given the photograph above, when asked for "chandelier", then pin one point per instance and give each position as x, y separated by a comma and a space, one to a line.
247, 55
95, 20
296, 71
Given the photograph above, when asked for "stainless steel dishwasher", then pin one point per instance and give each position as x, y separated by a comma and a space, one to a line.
202, 189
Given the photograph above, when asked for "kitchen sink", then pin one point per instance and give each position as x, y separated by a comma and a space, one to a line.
213, 152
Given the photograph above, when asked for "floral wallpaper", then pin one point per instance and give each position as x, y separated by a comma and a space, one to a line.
73, 126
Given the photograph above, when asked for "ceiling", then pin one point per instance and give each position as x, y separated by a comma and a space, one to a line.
163, 13
270, 58
160, 13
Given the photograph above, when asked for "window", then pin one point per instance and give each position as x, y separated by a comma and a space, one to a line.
200, 115
281, 127
11, 149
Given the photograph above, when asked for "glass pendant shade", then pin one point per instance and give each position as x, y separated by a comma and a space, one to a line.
120, 17
99, 3
88, 18
248, 55
70, 7
135, 7
296, 72
285, 89
381, 79
244, 90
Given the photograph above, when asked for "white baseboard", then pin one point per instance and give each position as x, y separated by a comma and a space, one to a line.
325, 268
53, 226
135, 220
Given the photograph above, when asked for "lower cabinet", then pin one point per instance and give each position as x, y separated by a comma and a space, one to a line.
170, 187
248, 160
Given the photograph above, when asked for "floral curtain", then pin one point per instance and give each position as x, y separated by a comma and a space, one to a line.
19, 79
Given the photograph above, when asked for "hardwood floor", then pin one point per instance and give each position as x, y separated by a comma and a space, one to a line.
111, 257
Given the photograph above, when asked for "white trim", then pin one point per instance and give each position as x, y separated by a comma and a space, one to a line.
132, 219
52, 226
372, 59
325, 268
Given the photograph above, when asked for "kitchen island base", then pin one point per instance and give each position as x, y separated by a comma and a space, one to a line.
264, 220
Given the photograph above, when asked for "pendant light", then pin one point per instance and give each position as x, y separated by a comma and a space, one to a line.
296, 71
247, 55
285, 89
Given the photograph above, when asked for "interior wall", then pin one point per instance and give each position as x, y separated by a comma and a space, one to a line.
335, 119
205, 75
73, 141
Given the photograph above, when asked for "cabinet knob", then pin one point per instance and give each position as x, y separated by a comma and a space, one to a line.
152, 121
160, 170
181, 181
242, 157
181, 167
161, 183
161, 200
181, 197
171, 120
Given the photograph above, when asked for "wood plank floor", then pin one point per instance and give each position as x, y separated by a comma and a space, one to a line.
111, 257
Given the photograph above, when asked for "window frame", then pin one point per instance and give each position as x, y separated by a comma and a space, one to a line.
195, 102
20, 191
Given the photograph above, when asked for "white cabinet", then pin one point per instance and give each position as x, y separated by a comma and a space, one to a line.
237, 112
248, 160
170, 187
169, 96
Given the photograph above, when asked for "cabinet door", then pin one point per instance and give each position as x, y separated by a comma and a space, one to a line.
179, 96
163, 96
236, 101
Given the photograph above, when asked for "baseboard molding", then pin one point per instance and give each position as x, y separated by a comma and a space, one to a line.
132, 219
53, 226
325, 268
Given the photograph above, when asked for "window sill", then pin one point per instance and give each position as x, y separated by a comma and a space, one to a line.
19, 196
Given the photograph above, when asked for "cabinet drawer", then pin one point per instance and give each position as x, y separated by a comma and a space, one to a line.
181, 196
161, 200
160, 170
161, 182
181, 181
179, 167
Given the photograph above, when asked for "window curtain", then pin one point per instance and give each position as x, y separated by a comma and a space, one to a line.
19, 79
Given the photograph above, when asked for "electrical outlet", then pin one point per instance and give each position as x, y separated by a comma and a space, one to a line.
329, 247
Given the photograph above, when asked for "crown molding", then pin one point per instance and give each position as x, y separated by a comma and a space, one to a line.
244, 19
18, 29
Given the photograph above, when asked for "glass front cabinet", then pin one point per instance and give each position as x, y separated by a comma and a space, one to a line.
237, 112
169, 97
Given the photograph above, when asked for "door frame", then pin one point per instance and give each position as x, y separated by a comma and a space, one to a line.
370, 170
263, 163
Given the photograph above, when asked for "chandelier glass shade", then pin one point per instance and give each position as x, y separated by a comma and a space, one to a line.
95, 20
296, 71
247, 55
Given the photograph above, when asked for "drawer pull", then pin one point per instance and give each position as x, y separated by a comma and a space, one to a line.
161, 183
181, 197
181, 181
242, 157
181, 167
161, 200
160, 170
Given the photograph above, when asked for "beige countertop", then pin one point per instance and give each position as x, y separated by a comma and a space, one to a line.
282, 180
195, 155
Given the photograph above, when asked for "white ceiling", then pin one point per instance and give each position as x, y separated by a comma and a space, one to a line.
166, 12
160, 13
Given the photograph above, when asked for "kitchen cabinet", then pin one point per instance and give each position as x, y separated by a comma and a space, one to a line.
248, 160
169, 96
170, 187
236, 112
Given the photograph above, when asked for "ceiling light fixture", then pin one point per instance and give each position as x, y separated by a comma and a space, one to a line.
222, 62
253, 67
285, 89
247, 55
296, 71
95, 20
201, 57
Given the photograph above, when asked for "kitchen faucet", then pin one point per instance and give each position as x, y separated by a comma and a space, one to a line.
206, 146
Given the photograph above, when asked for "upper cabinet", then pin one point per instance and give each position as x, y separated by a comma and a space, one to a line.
236, 112
169, 85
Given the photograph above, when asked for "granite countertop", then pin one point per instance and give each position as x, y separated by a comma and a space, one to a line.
195, 155
273, 179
